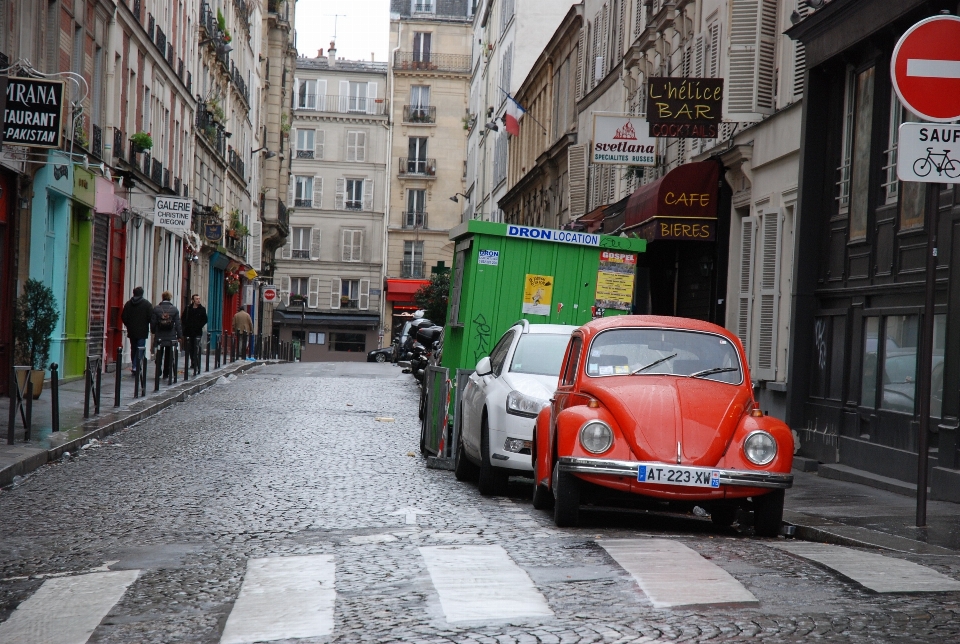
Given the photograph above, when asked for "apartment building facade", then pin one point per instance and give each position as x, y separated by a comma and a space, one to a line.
330, 270
429, 76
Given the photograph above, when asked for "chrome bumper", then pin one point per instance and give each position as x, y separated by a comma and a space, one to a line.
610, 467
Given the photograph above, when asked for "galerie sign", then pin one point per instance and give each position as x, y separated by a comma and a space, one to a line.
688, 108
621, 139
33, 112
173, 214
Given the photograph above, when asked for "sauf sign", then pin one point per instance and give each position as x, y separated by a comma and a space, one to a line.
173, 214
34, 112
622, 139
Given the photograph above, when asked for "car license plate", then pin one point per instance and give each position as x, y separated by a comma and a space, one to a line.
668, 475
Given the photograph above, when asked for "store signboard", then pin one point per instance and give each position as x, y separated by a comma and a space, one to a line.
173, 214
621, 139
686, 108
33, 114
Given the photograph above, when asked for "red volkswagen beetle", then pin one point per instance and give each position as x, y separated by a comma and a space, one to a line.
660, 408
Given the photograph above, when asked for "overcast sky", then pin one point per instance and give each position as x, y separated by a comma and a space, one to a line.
362, 28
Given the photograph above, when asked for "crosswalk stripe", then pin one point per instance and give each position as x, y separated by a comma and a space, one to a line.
66, 610
283, 598
873, 571
673, 575
482, 583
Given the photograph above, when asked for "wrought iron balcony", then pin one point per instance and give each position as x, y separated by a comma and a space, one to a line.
151, 25
156, 173
283, 214
211, 130
303, 203
341, 104
419, 113
118, 139
429, 61
236, 245
236, 162
421, 168
137, 10
239, 83
415, 219
166, 178
97, 144
410, 268
304, 154
170, 56
301, 253
146, 163
160, 39
176, 185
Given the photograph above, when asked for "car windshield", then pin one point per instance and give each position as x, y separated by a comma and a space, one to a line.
539, 354
645, 352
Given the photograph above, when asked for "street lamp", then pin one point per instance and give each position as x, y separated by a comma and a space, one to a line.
459, 194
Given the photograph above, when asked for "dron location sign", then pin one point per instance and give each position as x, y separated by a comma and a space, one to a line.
925, 68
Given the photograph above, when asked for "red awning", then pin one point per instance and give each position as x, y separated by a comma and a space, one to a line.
689, 190
403, 290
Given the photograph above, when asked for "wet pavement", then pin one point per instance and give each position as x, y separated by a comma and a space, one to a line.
197, 518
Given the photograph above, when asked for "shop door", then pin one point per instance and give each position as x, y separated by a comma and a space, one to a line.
78, 292
215, 305
98, 289
116, 295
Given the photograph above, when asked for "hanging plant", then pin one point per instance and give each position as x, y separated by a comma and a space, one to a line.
284, 123
221, 21
142, 141
216, 110
226, 35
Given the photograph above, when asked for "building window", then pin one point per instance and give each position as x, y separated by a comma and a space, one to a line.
358, 97
300, 237
424, 6
350, 293
300, 286
417, 155
307, 95
352, 246
860, 171
413, 264
421, 47
350, 342
354, 194
305, 143
356, 146
828, 357
415, 216
303, 197
419, 96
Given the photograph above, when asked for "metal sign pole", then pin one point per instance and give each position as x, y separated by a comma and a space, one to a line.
926, 351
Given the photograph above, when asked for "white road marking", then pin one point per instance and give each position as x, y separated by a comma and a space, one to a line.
876, 572
66, 610
925, 68
409, 514
672, 575
283, 598
482, 583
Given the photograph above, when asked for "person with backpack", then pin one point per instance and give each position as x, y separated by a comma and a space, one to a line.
136, 316
194, 319
165, 325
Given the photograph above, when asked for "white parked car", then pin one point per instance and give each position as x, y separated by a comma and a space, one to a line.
501, 400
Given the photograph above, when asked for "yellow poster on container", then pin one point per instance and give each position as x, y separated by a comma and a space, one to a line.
537, 294
615, 280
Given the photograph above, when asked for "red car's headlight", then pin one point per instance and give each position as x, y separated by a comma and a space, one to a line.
596, 436
760, 448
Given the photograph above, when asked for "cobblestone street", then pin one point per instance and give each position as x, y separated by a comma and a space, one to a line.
321, 459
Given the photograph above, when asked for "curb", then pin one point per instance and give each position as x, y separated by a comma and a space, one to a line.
113, 422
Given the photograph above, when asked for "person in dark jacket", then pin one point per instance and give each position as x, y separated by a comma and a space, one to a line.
194, 319
136, 317
166, 328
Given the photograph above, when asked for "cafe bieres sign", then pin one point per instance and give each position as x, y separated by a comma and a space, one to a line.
686, 108
33, 112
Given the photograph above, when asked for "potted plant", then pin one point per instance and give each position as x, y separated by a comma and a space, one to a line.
34, 320
298, 300
141, 141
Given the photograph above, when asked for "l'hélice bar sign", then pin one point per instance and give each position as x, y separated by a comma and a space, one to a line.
33, 114
686, 108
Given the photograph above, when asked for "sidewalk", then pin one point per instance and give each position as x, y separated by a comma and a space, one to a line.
44, 446
851, 514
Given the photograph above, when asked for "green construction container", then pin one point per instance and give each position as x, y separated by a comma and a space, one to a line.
505, 272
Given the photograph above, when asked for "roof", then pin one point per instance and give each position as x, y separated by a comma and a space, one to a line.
323, 64
554, 329
659, 321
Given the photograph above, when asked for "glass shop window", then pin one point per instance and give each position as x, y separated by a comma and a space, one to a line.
828, 357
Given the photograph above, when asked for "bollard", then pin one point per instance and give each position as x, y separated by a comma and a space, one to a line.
208, 354
54, 397
96, 399
13, 406
218, 351
118, 374
157, 369
87, 385
174, 363
29, 423
187, 354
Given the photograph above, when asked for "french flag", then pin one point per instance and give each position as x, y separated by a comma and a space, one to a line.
511, 120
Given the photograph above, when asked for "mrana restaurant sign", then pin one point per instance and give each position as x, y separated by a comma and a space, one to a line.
33, 113
622, 140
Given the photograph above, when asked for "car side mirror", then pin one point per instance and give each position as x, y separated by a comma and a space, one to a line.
483, 367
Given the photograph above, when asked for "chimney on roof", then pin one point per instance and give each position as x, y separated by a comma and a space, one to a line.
320, 53
332, 54
372, 59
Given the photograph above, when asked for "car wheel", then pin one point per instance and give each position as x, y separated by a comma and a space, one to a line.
768, 514
566, 493
380, 357
542, 496
463, 469
723, 514
492, 479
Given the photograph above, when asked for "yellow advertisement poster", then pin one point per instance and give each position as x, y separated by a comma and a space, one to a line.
615, 280
537, 294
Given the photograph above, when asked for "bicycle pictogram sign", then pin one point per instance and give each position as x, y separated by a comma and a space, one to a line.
941, 162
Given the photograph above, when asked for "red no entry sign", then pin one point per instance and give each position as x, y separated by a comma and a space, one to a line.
270, 294
926, 68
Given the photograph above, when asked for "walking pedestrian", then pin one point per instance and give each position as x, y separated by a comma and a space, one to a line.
194, 319
166, 328
136, 317
243, 323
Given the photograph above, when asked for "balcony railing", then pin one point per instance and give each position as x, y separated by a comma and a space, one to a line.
239, 83
214, 36
304, 154
236, 245
301, 253
341, 104
415, 219
236, 162
97, 143
426, 168
118, 143
416, 60
170, 56
151, 25
419, 113
410, 268
146, 164
166, 179
303, 203
160, 39
283, 214
137, 10
176, 185
212, 131
156, 173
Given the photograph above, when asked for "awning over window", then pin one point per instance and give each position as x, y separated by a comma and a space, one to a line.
681, 205
403, 290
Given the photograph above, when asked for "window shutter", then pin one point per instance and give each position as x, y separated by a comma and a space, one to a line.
341, 189
287, 249
315, 244
344, 96
293, 186
769, 296
364, 295
352, 146
285, 289
577, 180
371, 98
335, 293
317, 201
318, 143
345, 246
368, 195
295, 137
620, 29
799, 56
714, 70
748, 232
698, 71
256, 231
321, 95
296, 92
313, 294
581, 55
356, 250
752, 49
603, 38
361, 147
